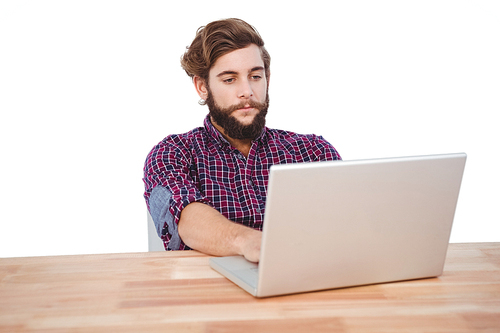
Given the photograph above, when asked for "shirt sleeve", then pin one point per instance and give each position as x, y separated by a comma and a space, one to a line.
169, 165
323, 150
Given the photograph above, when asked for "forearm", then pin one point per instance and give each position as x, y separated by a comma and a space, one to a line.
204, 229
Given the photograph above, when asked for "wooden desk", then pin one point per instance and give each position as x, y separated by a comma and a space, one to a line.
178, 292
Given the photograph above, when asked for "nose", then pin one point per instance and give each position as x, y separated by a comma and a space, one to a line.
245, 89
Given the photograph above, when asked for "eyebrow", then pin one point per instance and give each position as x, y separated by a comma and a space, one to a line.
257, 68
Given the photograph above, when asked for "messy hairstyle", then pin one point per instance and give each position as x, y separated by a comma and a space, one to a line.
217, 39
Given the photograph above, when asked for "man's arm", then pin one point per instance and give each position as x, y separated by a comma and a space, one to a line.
203, 228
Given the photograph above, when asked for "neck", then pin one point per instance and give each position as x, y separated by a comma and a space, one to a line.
243, 145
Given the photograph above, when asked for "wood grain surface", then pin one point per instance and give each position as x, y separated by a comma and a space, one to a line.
179, 292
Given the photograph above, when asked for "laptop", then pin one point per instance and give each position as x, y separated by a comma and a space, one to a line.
349, 223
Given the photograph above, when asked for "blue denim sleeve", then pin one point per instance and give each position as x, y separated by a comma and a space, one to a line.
159, 204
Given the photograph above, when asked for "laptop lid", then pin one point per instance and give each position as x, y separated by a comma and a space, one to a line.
345, 223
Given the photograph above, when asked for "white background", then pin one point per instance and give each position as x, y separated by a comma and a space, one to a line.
87, 88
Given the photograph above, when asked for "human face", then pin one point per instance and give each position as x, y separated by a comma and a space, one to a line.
237, 90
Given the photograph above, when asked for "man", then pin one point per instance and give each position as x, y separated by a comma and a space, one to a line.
206, 189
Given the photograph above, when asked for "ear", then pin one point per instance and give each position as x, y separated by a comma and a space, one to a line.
201, 87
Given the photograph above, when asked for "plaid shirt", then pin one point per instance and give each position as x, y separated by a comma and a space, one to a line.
202, 166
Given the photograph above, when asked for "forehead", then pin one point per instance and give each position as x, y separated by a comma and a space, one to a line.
239, 61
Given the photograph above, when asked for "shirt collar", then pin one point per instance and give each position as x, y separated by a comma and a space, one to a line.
213, 132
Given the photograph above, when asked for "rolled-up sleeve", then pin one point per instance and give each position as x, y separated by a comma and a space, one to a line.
168, 165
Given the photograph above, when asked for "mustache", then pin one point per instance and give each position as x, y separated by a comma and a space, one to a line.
243, 104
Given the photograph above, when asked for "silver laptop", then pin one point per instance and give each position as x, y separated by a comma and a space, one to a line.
348, 223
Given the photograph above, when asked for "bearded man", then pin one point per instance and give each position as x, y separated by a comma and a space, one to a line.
206, 189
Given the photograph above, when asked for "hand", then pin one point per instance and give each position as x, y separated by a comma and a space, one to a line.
250, 244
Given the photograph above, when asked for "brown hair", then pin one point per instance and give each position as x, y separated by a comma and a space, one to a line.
217, 39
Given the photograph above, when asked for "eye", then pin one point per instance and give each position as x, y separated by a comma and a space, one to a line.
230, 80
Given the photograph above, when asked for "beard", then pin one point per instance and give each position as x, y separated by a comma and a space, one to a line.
232, 127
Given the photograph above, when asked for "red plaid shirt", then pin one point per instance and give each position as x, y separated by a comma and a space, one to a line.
202, 166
